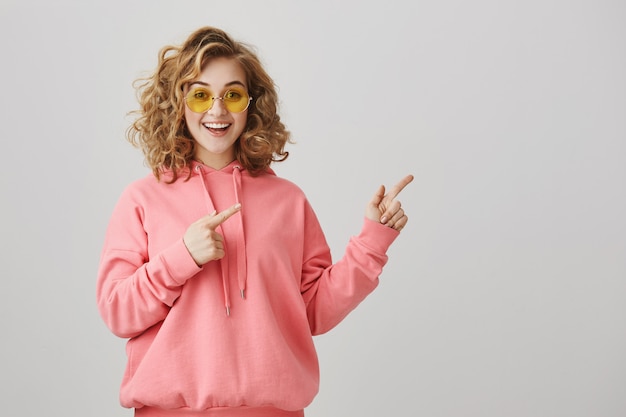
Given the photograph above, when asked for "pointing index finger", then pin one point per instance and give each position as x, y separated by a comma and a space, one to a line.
222, 216
395, 190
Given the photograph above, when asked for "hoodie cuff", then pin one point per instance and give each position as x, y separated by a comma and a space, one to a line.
377, 236
179, 262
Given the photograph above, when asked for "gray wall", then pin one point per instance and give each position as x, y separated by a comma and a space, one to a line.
504, 296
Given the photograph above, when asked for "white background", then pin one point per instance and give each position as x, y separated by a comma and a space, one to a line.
504, 296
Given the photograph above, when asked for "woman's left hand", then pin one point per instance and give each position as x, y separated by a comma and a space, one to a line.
385, 209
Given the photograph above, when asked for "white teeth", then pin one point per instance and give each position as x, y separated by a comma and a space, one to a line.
216, 125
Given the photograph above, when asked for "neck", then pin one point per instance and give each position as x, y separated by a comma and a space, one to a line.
215, 164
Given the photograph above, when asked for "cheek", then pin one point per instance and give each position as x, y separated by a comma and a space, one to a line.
188, 114
191, 118
241, 120
191, 124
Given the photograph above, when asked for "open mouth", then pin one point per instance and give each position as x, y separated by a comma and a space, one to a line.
217, 127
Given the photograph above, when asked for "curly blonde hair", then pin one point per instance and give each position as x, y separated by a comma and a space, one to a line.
160, 130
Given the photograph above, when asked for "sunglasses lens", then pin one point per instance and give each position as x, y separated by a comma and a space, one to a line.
199, 100
236, 100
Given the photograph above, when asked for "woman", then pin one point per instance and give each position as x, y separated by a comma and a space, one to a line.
216, 269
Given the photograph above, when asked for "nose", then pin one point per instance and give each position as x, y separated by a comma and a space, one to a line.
218, 107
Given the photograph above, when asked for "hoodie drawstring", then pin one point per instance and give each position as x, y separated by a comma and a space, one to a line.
242, 267
239, 236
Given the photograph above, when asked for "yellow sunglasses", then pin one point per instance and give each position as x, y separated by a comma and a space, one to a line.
200, 100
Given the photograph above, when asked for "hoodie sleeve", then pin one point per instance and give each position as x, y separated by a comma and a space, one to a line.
135, 291
332, 291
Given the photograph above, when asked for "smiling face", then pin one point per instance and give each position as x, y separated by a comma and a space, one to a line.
217, 129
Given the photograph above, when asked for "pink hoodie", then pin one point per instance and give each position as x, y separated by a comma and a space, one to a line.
234, 337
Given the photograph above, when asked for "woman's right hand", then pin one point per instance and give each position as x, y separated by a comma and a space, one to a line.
202, 241
386, 208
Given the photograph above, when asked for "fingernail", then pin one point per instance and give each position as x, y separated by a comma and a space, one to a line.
238, 206
383, 219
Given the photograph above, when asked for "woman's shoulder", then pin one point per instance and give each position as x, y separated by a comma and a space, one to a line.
142, 187
143, 183
274, 182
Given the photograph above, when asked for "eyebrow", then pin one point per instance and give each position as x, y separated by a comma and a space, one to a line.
208, 85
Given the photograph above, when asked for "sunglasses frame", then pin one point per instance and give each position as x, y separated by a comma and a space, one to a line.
213, 98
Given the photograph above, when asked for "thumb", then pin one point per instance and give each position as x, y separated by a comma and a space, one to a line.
372, 210
378, 197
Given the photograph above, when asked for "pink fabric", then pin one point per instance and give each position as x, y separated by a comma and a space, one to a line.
219, 412
184, 352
